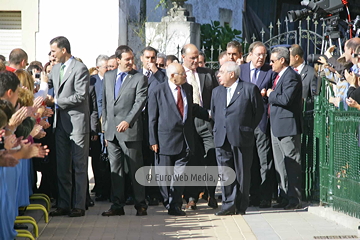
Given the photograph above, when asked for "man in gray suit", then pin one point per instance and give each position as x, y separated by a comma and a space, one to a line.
124, 97
70, 80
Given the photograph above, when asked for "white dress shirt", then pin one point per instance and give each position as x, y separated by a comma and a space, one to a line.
230, 93
174, 92
188, 72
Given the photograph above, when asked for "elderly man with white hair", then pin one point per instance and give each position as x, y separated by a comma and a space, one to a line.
236, 108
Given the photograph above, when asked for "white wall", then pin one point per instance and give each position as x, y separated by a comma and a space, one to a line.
204, 11
91, 26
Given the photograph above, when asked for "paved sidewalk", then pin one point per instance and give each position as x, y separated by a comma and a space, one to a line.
199, 224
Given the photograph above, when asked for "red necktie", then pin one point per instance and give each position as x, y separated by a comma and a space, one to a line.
275, 82
180, 102
273, 87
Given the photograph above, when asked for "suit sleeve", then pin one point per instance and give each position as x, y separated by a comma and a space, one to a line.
160, 76
81, 88
200, 112
103, 105
140, 100
153, 118
258, 106
94, 116
285, 95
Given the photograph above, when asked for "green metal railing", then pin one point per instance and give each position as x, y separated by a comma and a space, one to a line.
336, 151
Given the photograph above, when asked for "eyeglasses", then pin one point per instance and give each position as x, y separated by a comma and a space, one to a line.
273, 61
260, 55
182, 74
161, 65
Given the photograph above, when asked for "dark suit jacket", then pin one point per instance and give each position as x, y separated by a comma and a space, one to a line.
207, 83
166, 126
98, 85
237, 121
126, 107
94, 118
286, 105
265, 79
309, 81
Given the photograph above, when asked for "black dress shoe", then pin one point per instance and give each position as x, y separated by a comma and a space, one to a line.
212, 203
282, 204
59, 212
254, 202
176, 211
114, 212
291, 206
224, 213
77, 212
264, 204
141, 212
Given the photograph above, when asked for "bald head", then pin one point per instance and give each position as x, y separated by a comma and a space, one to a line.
18, 58
190, 55
176, 73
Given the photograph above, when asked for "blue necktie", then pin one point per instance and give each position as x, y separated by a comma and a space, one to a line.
254, 77
118, 83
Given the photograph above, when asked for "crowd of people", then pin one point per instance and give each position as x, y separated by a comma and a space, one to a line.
247, 116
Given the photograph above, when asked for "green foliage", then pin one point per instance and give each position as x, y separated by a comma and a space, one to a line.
216, 35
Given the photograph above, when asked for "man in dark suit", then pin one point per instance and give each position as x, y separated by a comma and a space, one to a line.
171, 129
155, 76
70, 80
307, 73
124, 97
236, 108
203, 82
285, 100
97, 145
262, 170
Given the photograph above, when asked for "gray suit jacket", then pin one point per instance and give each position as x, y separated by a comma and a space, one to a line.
72, 94
126, 107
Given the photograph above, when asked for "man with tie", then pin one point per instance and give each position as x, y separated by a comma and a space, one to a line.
155, 76
236, 108
285, 109
203, 82
70, 80
262, 170
307, 73
124, 97
171, 129
234, 52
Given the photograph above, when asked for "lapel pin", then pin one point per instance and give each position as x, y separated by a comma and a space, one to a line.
238, 92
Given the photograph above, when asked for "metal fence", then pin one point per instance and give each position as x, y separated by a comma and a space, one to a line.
336, 149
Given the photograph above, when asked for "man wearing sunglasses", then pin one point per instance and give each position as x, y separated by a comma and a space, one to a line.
285, 110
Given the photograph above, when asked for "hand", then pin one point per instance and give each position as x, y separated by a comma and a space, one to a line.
322, 60
329, 51
240, 61
49, 100
152, 67
36, 129
44, 124
6, 160
10, 141
350, 78
38, 102
18, 117
48, 112
155, 148
268, 92
40, 135
122, 126
94, 138
352, 103
44, 77
263, 92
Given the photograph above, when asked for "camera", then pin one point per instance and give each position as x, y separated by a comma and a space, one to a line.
313, 58
319, 9
37, 75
